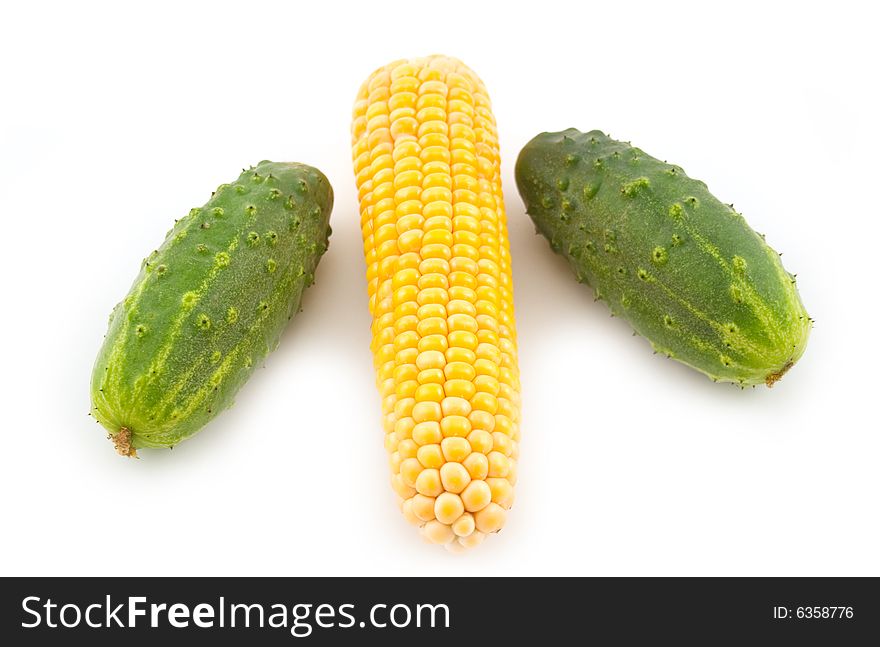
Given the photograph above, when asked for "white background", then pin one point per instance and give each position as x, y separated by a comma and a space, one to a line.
117, 120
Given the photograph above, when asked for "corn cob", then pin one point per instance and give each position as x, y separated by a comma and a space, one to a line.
428, 173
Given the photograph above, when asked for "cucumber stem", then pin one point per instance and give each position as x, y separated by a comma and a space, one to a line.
122, 443
773, 378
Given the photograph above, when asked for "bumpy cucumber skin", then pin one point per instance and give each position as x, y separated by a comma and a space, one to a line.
683, 268
210, 304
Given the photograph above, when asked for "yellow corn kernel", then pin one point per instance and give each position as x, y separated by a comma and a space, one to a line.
423, 507
433, 280
460, 389
429, 376
481, 441
476, 496
405, 309
454, 477
437, 532
428, 483
455, 426
428, 174
406, 507
427, 412
406, 324
502, 491
461, 339
477, 465
431, 311
485, 367
403, 428
498, 464
403, 490
483, 421
430, 392
460, 310
431, 358
433, 265
430, 456
405, 373
460, 371
460, 354
488, 384
433, 342
502, 443
427, 433
490, 518
452, 406
459, 322
505, 407
410, 470
406, 389
503, 424
405, 340
407, 448
432, 326
403, 408
455, 449
483, 401
472, 540
391, 442
448, 507
463, 526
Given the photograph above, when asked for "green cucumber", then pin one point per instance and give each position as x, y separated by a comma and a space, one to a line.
683, 268
209, 305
